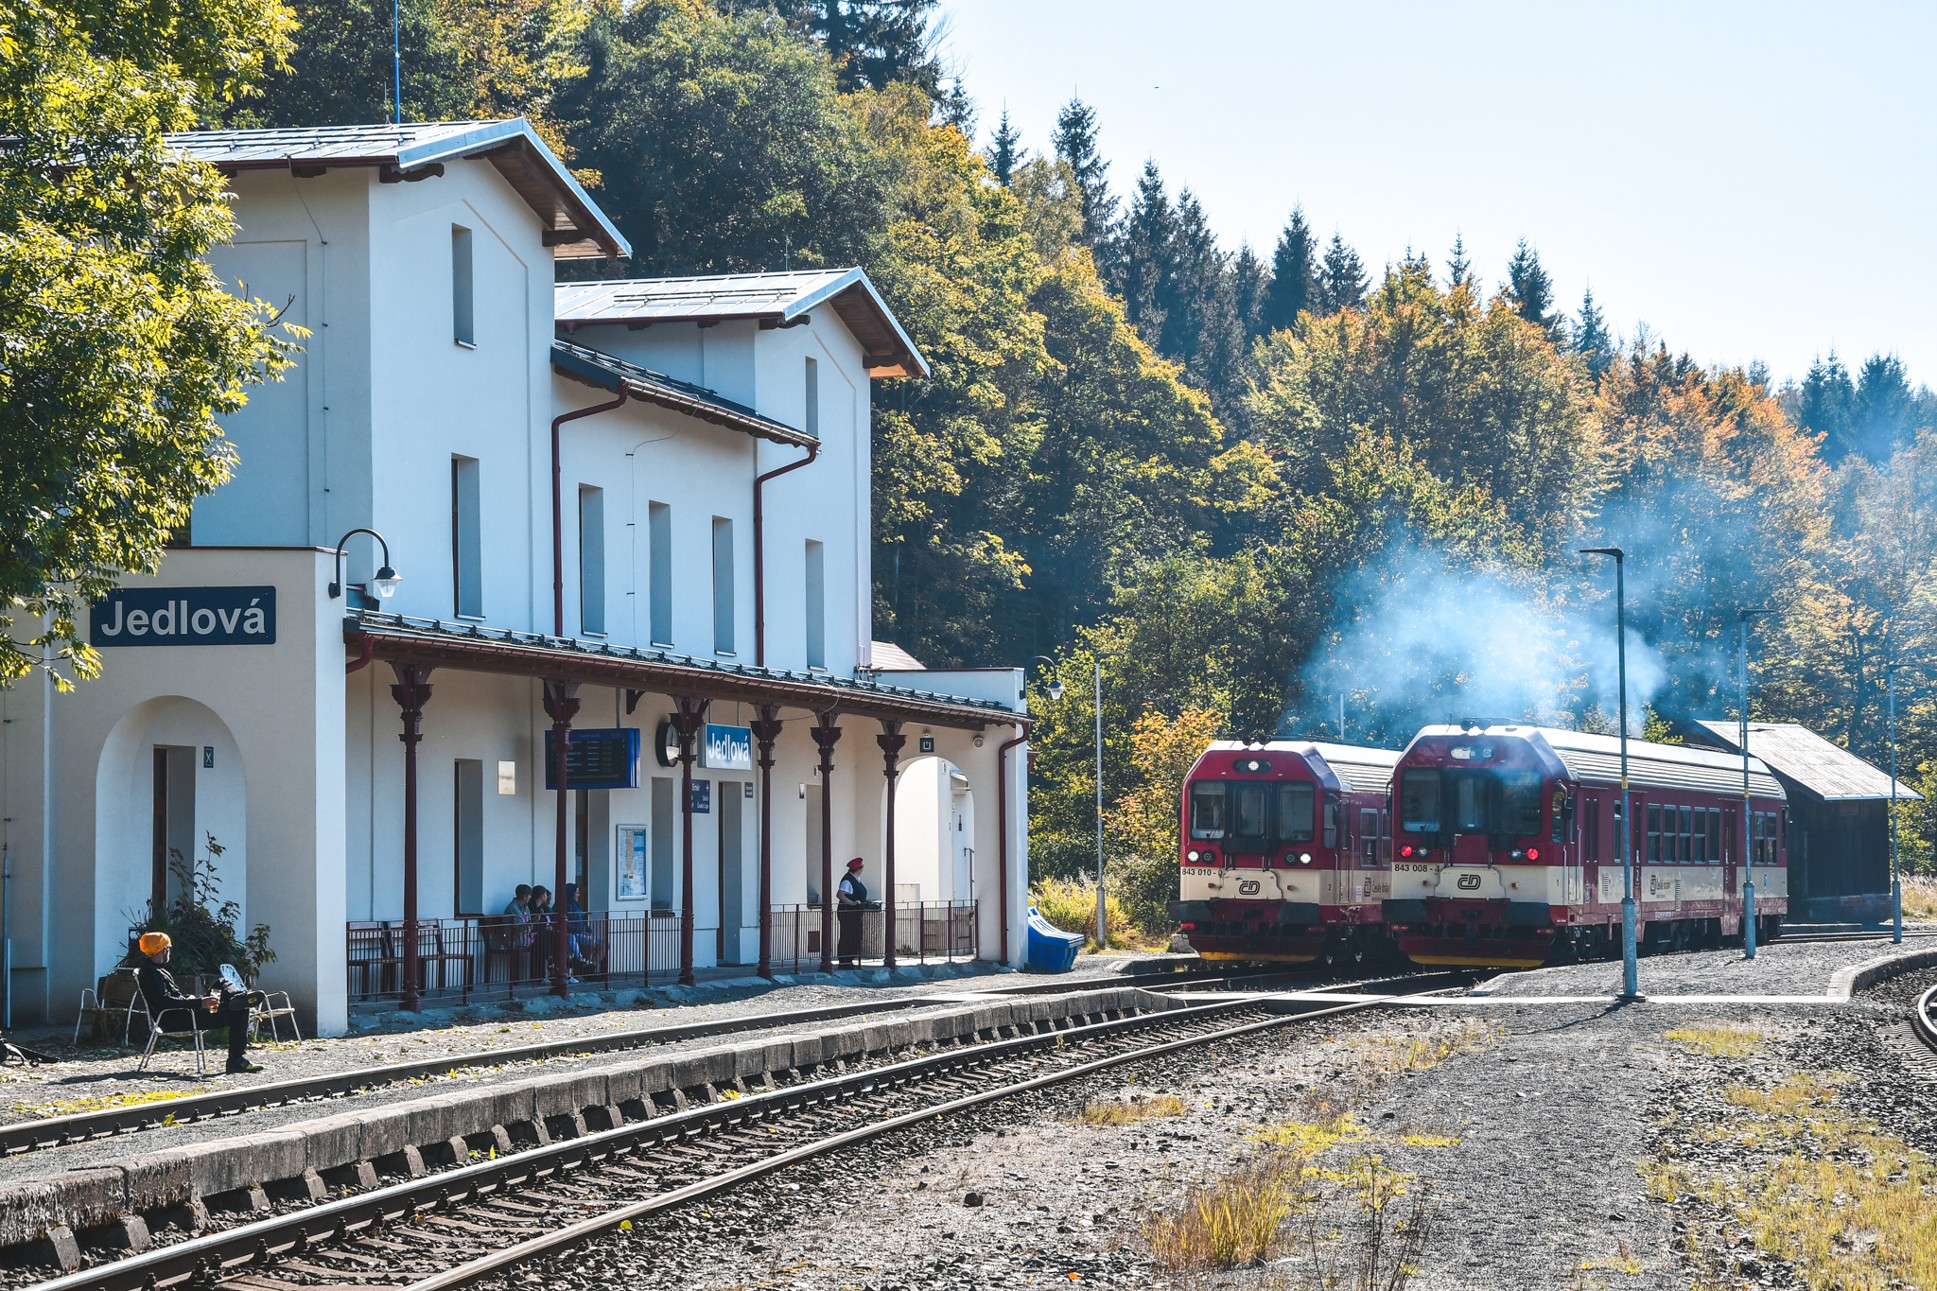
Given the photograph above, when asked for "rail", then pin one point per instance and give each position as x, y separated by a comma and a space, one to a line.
867, 1103
1923, 1020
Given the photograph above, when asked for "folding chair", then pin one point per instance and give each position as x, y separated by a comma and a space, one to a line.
155, 1033
93, 1008
275, 1004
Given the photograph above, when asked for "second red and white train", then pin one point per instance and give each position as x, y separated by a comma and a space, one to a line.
1486, 845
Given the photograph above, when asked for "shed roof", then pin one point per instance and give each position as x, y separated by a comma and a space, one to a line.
1811, 762
608, 372
889, 657
772, 299
574, 224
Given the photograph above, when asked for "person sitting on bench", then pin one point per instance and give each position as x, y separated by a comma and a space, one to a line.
174, 1010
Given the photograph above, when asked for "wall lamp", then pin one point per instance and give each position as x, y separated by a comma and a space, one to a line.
1055, 683
386, 579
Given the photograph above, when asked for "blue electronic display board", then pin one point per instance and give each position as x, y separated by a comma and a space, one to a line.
596, 759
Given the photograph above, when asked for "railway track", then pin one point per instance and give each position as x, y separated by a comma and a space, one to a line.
23, 1136
1923, 1018
459, 1225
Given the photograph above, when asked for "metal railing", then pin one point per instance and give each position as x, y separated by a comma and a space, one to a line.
462, 958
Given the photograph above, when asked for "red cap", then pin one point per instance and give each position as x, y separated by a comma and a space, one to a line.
854, 864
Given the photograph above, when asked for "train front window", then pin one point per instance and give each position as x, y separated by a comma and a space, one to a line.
1207, 812
1419, 802
1519, 802
1295, 813
1250, 806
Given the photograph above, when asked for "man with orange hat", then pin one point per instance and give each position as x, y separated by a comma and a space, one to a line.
175, 1010
851, 898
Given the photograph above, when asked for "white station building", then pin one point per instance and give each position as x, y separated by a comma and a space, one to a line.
634, 514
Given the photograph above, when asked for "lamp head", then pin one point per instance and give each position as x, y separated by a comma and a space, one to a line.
386, 582
1055, 691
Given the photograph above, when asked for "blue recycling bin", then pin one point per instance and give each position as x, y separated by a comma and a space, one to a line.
1051, 950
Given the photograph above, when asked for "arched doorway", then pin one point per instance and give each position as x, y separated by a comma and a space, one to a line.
170, 777
934, 832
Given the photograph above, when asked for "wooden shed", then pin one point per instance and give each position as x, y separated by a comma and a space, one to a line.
1839, 818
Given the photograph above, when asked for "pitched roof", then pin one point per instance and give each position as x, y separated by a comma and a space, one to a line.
889, 657
608, 372
772, 299
1812, 762
574, 224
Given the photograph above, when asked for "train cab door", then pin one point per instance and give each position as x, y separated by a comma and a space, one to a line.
1732, 859
1567, 844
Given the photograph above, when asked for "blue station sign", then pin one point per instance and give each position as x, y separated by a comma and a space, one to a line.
727, 748
184, 616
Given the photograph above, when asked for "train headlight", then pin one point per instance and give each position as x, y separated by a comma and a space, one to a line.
1193, 856
1304, 858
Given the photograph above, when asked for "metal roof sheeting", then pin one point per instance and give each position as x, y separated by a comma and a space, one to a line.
1360, 770
608, 372
574, 224
772, 299
1818, 767
1596, 760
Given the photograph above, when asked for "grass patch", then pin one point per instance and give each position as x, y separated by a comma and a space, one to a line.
1236, 1220
1845, 1204
1311, 1140
1920, 896
1719, 1042
1389, 1055
1429, 1140
1129, 1111
103, 1102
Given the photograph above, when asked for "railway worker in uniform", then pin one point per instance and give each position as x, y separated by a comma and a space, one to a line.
851, 899
175, 1010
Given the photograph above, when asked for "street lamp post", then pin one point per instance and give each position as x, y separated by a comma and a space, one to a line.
1896, 876
1630, 973
1748, 850
1101, 931
386, 578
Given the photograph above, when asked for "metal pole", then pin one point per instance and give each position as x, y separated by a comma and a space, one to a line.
1748, 848
1102, 933
1896, 878
1630, 972
397, 61
6, 934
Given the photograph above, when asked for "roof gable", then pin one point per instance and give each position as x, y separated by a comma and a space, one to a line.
771, 299
573, 223
1815, 765
607, 372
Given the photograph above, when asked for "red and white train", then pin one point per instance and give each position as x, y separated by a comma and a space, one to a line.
1507, 845
1490, 845
1285, 851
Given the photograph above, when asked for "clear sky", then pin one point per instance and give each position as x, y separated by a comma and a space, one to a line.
1751, 180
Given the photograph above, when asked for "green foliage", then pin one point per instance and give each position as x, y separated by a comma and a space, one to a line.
122, 346
202, 925
1070, 905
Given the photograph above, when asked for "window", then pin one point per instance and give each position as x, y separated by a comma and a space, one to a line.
659, 580
816, 591
1368, 836
1249, 811
1591, 829
1519, 803
1295, 813
591, 560
722, 585
467, 836
1419, 802
1207, 812
1331, 821
1714, 836
813, 408
1654, 832
467, 562
461, 329
1701, 836
1687, 834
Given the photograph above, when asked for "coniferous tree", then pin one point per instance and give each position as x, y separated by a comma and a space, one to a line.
1074, 140
1883, 415
1147, 260
1530, 291
1250, 286
874, 43
1825, 404
1005, 150
1459, 269
1294, 274
1341, 279
1196, 281
1592, 341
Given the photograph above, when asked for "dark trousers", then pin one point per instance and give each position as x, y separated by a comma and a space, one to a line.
234, 1014
850, 944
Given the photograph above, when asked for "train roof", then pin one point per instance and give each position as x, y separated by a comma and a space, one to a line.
1596, 760
1359, 769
